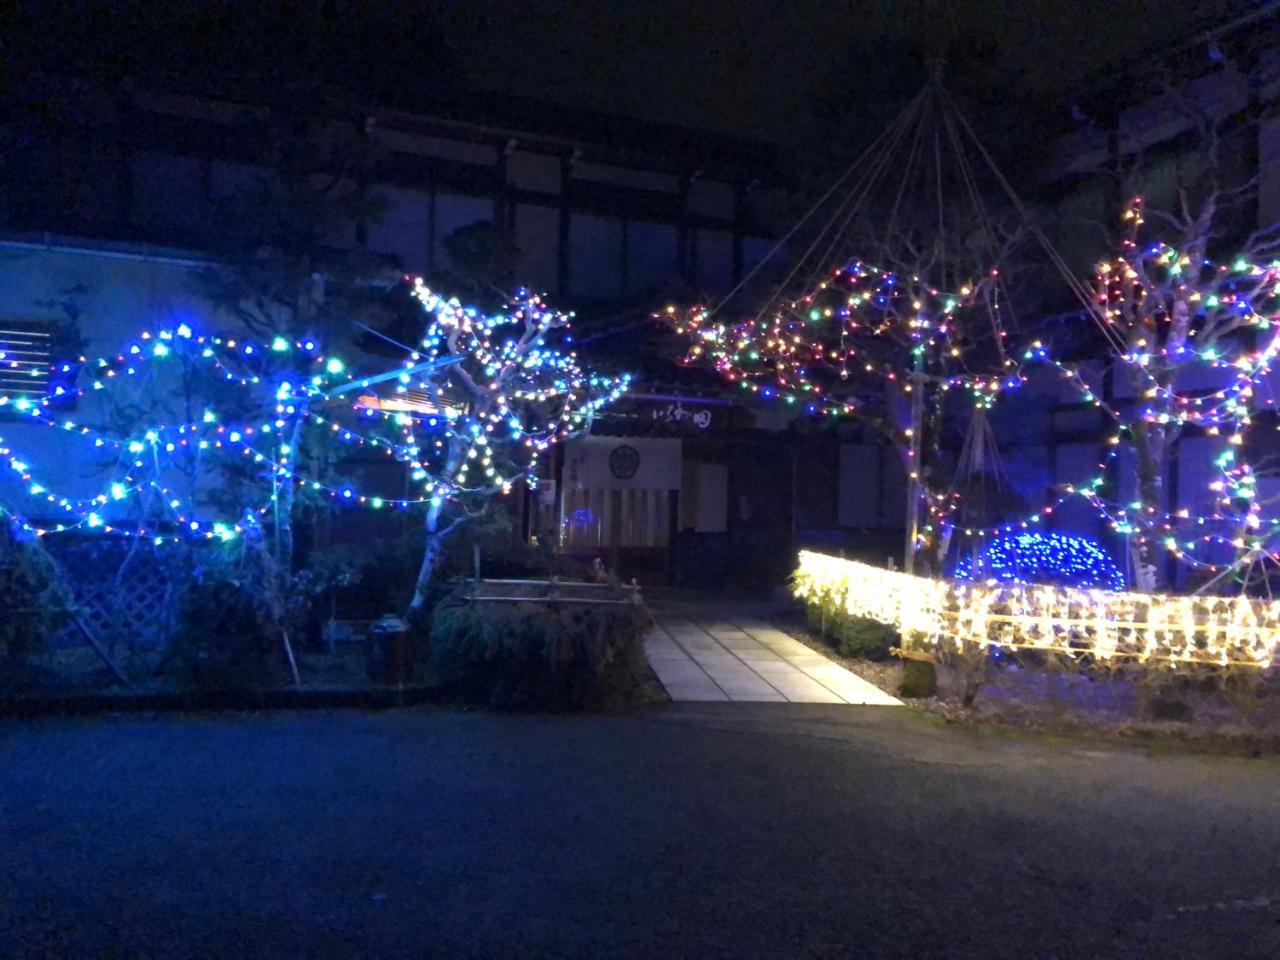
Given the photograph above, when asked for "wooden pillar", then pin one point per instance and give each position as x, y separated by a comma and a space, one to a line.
1051, 521
1112, 473
367, 127
126, 206
1114, 200
623, 257
1170, 506
1252, 159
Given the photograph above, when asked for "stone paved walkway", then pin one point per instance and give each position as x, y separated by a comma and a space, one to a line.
746, 659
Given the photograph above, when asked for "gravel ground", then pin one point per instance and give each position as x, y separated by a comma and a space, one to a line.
1033, 717
691, 830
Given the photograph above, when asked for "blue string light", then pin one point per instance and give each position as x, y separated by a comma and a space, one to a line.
517, 391
1049, 558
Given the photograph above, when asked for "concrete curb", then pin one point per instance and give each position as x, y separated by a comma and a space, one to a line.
381, 698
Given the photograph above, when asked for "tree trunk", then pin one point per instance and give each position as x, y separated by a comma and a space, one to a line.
916, 421
433, 550
284, 517
1149, 452
431, 556
1152, 438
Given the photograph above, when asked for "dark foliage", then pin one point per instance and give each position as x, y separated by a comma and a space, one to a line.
35, 603
854, 637
860, 637
538, 656
919, 680
226, 639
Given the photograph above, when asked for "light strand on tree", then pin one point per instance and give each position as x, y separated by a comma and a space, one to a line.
536, 394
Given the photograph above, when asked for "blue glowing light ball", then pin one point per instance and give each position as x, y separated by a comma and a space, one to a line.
1050, 558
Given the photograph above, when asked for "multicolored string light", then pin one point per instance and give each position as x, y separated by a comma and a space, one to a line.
468, 413
816, 351
1170, 315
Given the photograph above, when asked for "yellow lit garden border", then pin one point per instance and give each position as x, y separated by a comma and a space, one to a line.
930, 614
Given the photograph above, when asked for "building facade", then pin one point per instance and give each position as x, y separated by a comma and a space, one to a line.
107, 234
591, 209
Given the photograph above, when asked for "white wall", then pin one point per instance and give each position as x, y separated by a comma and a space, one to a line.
453, 212
651, 256
586, 464
860, 480
712, 498
715, 261
872, 488
1269, 172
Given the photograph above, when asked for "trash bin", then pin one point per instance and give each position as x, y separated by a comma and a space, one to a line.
387, 653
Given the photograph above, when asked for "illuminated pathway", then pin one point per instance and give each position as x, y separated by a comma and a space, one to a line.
746, 659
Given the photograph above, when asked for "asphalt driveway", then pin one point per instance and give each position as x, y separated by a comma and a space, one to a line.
693, 830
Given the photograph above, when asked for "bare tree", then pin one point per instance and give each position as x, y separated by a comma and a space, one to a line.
881, 345
505, 387
1187, 306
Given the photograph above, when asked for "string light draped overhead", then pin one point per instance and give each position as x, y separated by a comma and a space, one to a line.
467, 413
888, 338
884, 338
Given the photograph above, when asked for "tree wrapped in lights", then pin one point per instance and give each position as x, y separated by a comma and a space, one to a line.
203, 437
877, 346
179, 438
163, 428
1176, 320
505, 388
889, 336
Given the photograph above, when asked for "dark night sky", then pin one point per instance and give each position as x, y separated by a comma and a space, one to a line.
786, 71
735, 67
756, 68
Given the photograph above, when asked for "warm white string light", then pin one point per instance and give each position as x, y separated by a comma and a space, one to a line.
930, 614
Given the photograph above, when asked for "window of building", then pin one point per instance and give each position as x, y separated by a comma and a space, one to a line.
26, 358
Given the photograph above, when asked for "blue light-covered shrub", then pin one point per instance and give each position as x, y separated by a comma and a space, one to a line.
1050, 558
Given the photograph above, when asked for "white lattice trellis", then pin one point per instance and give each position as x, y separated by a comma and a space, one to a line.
127, 596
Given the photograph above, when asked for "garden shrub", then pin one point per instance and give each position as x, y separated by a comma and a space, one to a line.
863, 638
855, 637
363, 581
541, 656
226, 638
1205, 693
35, 602
970, 665
919, 680
1051, 684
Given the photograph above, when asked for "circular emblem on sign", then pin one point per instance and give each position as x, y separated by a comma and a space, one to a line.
624, 461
